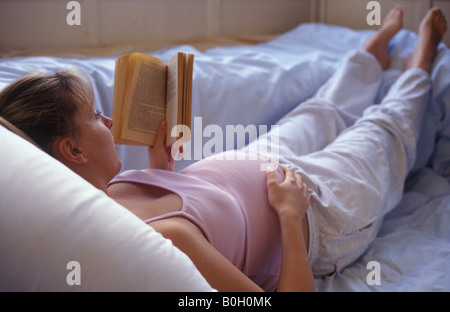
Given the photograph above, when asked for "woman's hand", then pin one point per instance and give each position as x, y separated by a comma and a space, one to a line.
160, 156
289, 198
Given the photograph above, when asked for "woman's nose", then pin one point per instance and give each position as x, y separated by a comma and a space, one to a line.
108, 122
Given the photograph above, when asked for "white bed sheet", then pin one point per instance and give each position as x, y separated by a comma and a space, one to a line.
258, 84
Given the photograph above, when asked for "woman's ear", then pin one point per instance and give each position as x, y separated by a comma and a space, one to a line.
67, 151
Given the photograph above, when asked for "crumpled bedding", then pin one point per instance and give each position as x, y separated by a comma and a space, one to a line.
258, 84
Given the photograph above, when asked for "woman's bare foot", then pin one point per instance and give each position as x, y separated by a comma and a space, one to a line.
431, 31
378, 43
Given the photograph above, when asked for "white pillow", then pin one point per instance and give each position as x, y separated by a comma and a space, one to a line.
50, 217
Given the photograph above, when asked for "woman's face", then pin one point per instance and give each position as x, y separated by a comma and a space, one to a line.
97, 143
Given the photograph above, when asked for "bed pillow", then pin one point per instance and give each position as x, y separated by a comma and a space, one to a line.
59, 233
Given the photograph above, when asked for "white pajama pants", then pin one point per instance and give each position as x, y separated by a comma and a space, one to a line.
353, 155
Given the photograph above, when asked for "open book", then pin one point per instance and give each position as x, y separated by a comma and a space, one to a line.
147, 91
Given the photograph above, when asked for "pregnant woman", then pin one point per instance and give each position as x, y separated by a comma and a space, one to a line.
246, 229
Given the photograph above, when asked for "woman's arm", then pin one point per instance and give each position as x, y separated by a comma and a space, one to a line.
220, 273
290, 200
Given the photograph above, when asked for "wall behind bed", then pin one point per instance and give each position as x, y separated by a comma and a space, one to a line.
31, 23
353, 13
108, 22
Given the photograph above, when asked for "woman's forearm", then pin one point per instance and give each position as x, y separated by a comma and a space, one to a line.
296, 273
290, 200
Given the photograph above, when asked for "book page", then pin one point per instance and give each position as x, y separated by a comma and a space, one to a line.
187, 100
174, 94
147, 98
124, 65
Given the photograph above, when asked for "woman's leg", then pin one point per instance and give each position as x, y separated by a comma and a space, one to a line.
354, 87
380, 149
338, 103
362, 172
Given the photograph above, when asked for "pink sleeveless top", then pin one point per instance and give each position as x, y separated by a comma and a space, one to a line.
227, 200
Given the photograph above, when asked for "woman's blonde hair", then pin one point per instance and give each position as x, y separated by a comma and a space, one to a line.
43, 106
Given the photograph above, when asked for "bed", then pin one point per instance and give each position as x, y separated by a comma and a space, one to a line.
256, 84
